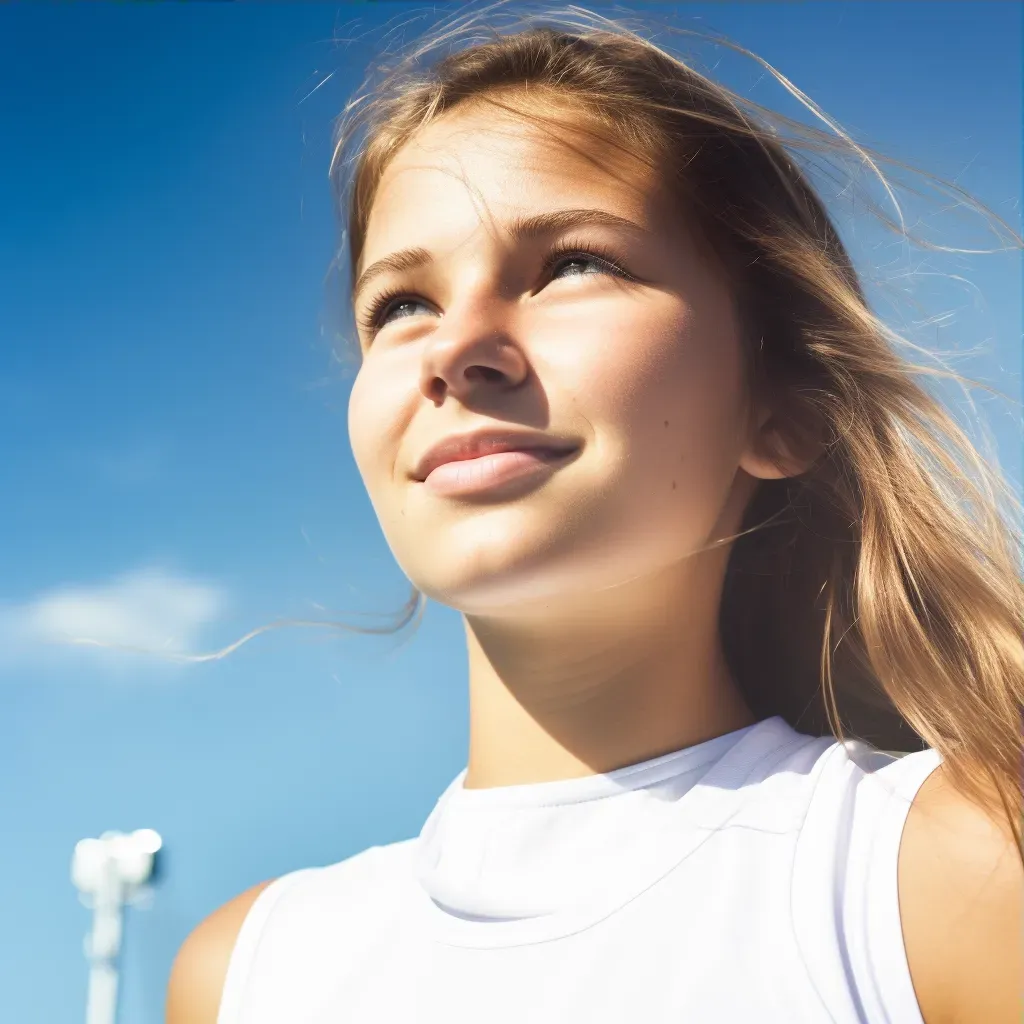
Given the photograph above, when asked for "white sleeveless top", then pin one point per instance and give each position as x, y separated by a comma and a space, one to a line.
748, 878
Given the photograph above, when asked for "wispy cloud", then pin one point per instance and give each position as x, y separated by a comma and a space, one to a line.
146, 610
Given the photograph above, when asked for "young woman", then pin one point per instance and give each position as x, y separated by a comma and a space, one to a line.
622, 403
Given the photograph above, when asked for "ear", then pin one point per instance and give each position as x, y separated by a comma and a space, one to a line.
778, 449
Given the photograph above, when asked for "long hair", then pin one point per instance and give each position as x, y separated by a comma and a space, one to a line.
877, 595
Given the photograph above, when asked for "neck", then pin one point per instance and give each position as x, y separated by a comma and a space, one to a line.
608, 680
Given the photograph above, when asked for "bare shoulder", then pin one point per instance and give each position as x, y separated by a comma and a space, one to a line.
961, 895
197, 977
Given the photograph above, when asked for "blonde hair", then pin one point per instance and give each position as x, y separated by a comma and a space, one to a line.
877, 595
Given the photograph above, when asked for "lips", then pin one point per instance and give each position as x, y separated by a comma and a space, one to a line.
464, 447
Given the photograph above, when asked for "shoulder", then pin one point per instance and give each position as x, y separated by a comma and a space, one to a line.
197, 977
293, 941
961, 897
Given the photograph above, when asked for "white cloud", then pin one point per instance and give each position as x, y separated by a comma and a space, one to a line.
146, 610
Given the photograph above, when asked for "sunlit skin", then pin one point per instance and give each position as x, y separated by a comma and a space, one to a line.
591, 624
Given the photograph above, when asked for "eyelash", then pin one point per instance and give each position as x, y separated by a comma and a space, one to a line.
370, 321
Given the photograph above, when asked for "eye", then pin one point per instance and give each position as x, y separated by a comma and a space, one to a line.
382, 305
570, 252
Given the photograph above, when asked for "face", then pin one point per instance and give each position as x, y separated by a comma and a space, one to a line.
627, 365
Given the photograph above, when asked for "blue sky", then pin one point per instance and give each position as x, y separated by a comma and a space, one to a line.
174, 462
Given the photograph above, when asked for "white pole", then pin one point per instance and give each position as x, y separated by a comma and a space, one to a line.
102, 1005
103, 945
109, 872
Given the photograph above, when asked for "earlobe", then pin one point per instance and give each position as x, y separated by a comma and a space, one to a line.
768, 469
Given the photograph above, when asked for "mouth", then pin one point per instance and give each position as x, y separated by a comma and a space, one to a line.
497, 472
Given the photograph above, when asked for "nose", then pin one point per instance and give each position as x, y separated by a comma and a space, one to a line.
471, 351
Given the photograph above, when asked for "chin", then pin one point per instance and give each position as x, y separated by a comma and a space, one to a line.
482, 559
493, 577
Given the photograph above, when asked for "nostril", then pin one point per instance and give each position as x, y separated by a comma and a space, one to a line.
488, 373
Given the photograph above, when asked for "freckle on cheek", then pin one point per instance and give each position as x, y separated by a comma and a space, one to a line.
673, 485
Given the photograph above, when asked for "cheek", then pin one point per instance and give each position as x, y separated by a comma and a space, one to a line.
671, 409
673, 393
358, 427
374, 426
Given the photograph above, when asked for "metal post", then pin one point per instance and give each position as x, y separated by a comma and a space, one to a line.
110, 872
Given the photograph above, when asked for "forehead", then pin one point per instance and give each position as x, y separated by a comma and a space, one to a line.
483, 166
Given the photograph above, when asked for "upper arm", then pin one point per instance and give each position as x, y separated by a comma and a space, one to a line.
961, 892
197, 977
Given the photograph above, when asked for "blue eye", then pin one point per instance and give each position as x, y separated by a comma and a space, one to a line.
582, 252
578, 258
384, 305
381, 306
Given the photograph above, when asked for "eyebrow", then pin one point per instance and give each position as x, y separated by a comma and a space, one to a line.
522, 228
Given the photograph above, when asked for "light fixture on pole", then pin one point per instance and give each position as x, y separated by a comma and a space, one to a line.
110, 872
